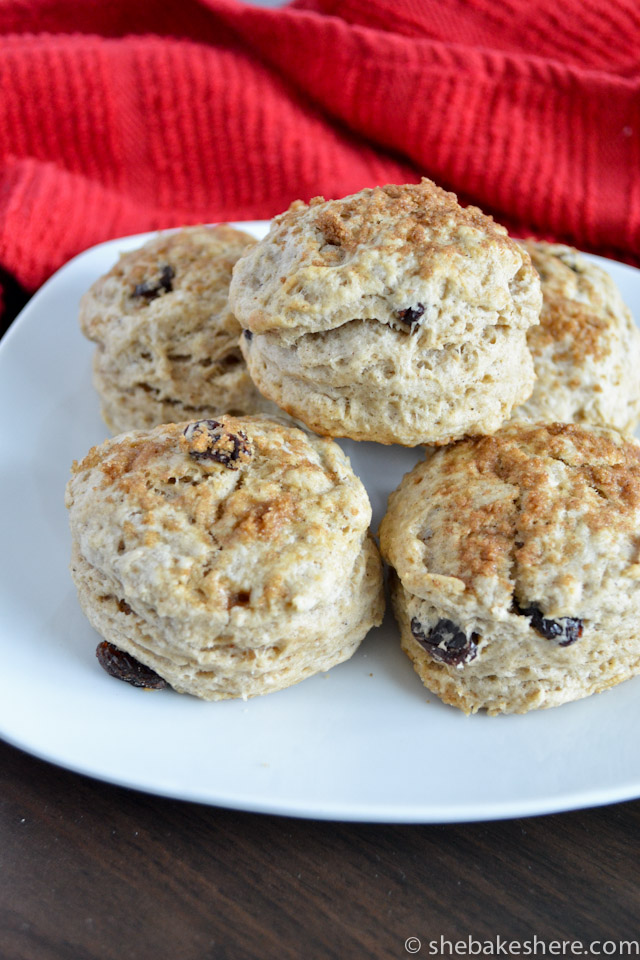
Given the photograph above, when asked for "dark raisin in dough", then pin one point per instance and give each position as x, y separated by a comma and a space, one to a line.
150, 291
411, 314
565, 630
446, 642
230, 449
123, 666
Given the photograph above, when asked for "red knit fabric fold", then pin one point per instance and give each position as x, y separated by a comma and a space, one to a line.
120, 116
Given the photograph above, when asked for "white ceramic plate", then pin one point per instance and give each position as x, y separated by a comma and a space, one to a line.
363, 742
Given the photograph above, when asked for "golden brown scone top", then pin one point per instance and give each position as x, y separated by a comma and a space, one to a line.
198, 260
544, 514
406, 217
204, 512
580, 301
384, 254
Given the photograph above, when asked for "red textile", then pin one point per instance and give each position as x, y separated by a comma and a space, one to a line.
118, 116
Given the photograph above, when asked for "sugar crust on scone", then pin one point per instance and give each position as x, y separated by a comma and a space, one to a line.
495, 533
233, 560
393, 315
586, 349
167, 338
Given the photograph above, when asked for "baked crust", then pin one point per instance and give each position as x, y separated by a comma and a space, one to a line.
231, 556
496, 534
586, 349
167, 339
393, 315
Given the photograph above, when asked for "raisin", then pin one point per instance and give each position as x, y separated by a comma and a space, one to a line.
446, 642
123, 666
150, 290
411, 314
248, 335
210, 441
564, 631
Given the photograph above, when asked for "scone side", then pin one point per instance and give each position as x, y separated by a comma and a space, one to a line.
487, 556
236, 665
435, 280
459, 394
169, 352
586, 349
530, 673
227, 635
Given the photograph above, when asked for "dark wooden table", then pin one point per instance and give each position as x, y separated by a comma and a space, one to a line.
89, 870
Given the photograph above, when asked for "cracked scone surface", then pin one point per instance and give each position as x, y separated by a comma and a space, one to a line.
517, 566
586, 349
392, 315
167, 340
233, 557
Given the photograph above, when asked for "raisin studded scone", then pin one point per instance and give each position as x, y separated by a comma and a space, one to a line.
232, 556
517, 566
167, 339
586, 350
392, 315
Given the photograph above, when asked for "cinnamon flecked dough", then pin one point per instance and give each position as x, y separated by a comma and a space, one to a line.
586, 349
393, 315
516, 564
167, 340
232, 556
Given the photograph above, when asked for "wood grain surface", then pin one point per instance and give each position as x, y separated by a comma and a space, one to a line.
89, 871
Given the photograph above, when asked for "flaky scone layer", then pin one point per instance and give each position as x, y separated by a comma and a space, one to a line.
586, 349
231, 556
518, 566
353, 308
167, 340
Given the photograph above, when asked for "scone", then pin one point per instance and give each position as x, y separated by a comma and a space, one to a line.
517, 566
167, 339
586, 350
232, 557
392, 315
